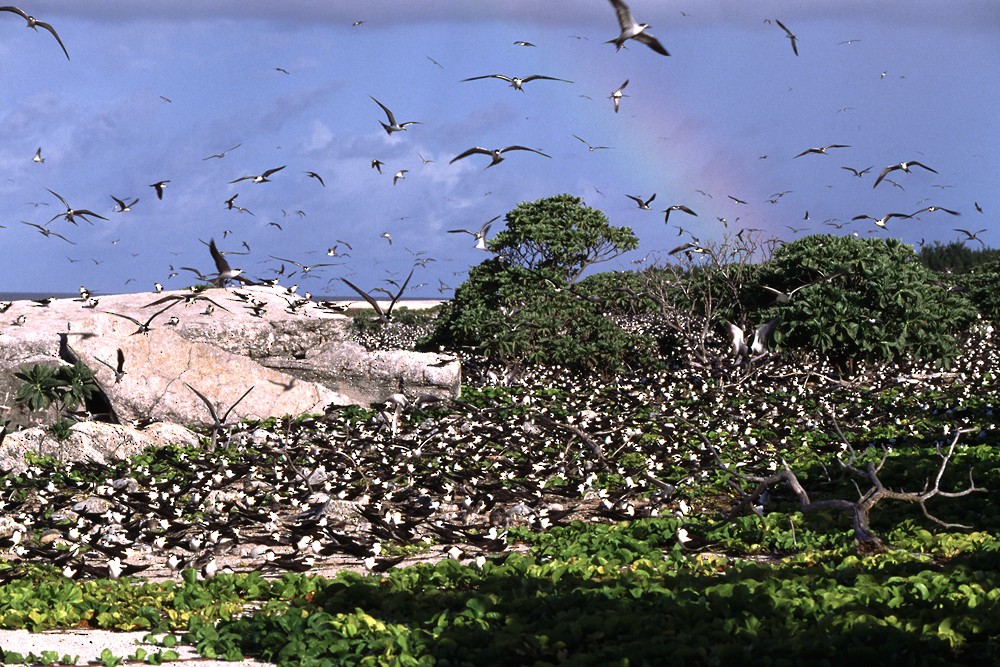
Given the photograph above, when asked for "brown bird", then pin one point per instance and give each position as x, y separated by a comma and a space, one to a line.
905, 166
788, 33
35, 24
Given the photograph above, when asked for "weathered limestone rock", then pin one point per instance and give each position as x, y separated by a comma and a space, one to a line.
297, 356
90, 441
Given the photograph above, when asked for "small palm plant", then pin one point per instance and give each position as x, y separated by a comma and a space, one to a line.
64, 387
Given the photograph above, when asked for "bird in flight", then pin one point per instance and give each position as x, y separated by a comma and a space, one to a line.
313, 174
972, 236
516, 82
393, 126
589, 147
71, 212
617, 96
905, 166
377, 165
632, 30
758, 345
35, 24
644, 205
118, 370
386, 314
224, 272
259, 178
399, 175
880, 222
47, 232
788, 33
123, 206
857, 172
158, 186
479, 235
522, 43
677, 207
821, 151
38, 156
496, 155
222, 154
931, 209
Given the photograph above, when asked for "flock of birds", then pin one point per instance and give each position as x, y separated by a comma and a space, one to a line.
452, 478
631, 32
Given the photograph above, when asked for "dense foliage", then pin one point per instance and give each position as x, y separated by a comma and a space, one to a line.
981, 287
862, 300
525, 305
956, 257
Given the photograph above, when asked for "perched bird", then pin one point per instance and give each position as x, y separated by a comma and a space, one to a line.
905, 166
496, 155
259, 178
479, 235
677, 207
516, 82
617, 95
158, 186
821, 151
313, 174
392, 126
644, 205
35, 24
758, 346
788, 33
632, 30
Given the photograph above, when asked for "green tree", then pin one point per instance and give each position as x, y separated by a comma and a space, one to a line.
525, 304
853, 299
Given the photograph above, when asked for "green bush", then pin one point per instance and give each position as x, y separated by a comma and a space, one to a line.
867, 300
524, 305
981, 287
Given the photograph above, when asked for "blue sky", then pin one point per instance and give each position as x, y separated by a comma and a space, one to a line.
918, 81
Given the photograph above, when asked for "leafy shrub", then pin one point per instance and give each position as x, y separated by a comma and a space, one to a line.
525, 304
981, 287
67, 387
866, 300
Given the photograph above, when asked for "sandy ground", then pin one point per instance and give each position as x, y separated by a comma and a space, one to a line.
87, 646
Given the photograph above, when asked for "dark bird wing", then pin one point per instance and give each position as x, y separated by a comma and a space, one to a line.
654, 43
471, 151
364, 295
535, 77
488, 76
399, 294
914, 163
523, 148
623, 13
221, 265
388, 114
273, 171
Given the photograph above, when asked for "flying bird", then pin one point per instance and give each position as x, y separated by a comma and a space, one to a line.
758, 345
259, 178
224, 272
632, 30
158, 186
516, 82
821, 151
313, 174
399, 175
47, 232
589, 147
880, 222
72, 213
479, 235
788, 33
905, 166
393, 126
123, 206
222, 154
644, 205
677, 207
496, 155
377, 165
931, 209
522, 43
972, 236
689, 249
118, 370
35, 24
383, 315
617, 95
856, 172
38, 156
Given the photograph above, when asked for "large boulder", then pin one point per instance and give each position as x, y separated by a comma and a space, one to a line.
298, 357
90, 441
